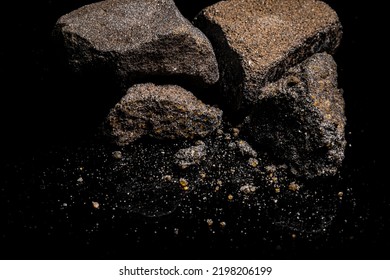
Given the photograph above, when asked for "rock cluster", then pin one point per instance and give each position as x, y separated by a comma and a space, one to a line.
257, 41
272, 66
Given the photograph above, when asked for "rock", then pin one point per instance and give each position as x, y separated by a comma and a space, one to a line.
257, 41
137, 40
246, 149
248, 189
160, 111
300, 118
191, 156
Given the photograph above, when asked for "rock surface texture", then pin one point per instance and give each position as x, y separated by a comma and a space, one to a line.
137, 40
163, 112
257, 41
300, 118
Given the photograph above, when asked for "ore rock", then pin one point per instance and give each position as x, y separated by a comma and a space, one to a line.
162, 112
191, 156
137, 40
300, 118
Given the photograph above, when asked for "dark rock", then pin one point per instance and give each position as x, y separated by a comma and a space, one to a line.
137, 40
191, 156
163, 112
257, 41
300, 118
246, 149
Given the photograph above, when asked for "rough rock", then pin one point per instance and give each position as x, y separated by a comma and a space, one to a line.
257, 41
162, 112
300, 118
191, 156
137, 40
246, 149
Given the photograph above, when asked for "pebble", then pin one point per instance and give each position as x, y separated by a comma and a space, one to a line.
246, 149
167, 178
235, 132
293, 187
247, 189
184, 184
117, 155
95, 204
253, 162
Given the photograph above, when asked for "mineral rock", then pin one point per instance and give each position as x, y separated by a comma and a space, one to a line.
300, 118
191, 156
137, 40
257, 41
160, 111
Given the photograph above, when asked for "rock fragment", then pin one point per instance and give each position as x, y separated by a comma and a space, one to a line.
137, 40
300, 118
246, 149
257, 41
162, 112
191, 156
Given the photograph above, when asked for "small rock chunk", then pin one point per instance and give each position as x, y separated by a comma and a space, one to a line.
162, 112
191, 156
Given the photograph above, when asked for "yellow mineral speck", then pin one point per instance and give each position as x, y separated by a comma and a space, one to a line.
230, 197
277, 190
219, 183
222, 224
274, 179
217, 188
209, 222
95, 204
340, 195
183, 183
293, 187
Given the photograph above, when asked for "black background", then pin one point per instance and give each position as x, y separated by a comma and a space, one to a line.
39, 111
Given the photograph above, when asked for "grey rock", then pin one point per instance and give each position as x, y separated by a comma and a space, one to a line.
246, 149
257, 41
300, 118
137, 40
191, 156
162, 112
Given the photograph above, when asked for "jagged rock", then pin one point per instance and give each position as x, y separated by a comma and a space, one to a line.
257, 41
300, 118
246, 149
138, 40
161, 111
191, 156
